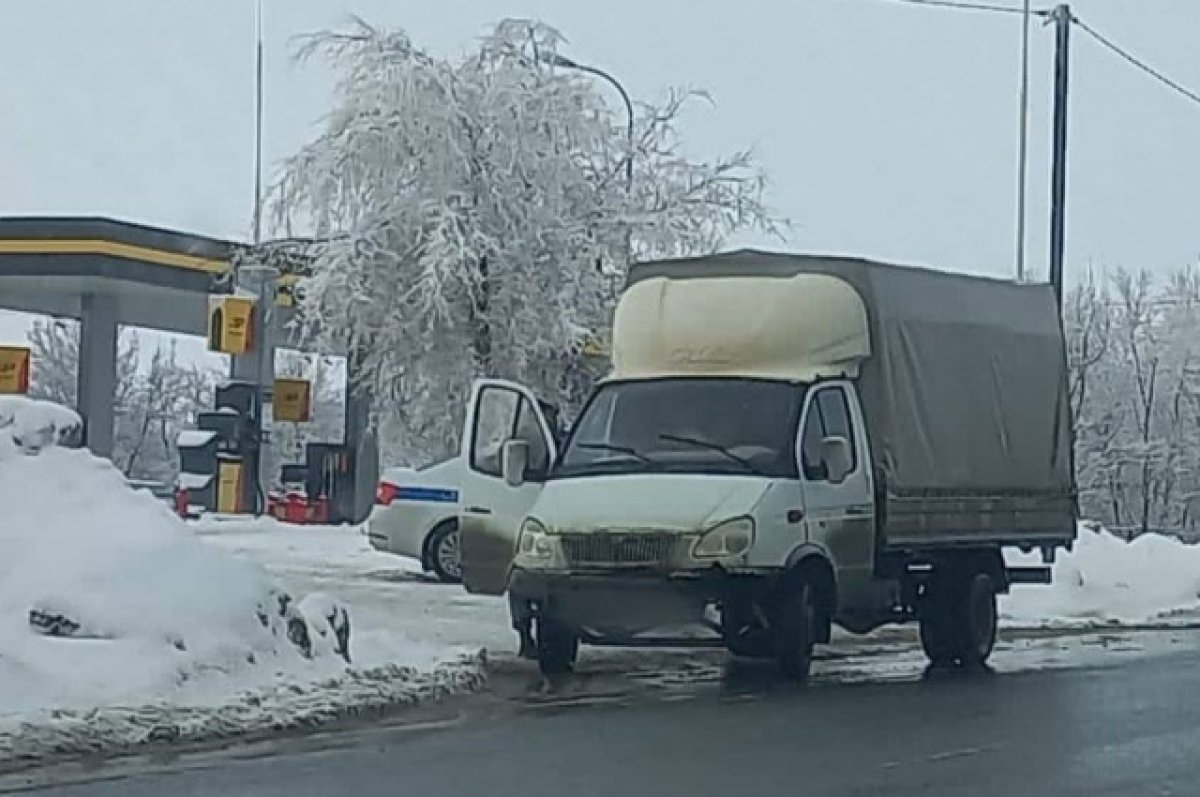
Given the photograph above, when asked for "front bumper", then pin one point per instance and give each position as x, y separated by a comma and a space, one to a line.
392, 530
622, 604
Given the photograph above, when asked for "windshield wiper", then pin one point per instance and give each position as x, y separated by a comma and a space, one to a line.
710, 445
632, 452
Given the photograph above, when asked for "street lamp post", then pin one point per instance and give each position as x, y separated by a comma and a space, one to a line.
554, 59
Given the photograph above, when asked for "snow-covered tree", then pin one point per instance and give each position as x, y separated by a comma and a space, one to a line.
150, 404
1135, 388
163, 400
54, 344
475, 215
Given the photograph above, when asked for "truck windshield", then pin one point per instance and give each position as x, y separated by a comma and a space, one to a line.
692, 425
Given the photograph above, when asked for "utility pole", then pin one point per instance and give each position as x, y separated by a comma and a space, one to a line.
1023, 143
1061, 16
262, 371
258, 118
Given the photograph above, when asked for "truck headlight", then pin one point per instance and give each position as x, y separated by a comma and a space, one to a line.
731, 538
535, 544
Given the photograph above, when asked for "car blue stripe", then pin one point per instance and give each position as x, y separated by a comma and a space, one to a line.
434, 495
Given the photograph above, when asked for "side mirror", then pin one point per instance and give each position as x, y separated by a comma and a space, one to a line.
835, 453
514, 459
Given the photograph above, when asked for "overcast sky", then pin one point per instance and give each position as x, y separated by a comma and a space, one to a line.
887, 130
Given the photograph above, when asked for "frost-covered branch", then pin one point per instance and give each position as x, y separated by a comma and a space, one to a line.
471, 216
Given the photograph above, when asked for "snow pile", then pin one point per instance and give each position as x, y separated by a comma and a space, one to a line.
1106, 580
401, 615
154, 606
119, 626
29, 425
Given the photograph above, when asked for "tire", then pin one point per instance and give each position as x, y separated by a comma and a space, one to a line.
937, 638
442, 553
557, 647
980, 621
744, 638
959, 627
755, 646
795, 622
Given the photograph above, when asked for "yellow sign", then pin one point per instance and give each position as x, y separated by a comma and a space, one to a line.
287, 290
231, 324
292, 400
14, 369
229, 487
593, 347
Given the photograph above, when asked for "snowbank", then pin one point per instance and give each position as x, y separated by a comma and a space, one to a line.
154, 606
119, 625
1106, 580
401, 615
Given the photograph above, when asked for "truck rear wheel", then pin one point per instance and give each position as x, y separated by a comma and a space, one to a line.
960, 622
557, 647
795, 621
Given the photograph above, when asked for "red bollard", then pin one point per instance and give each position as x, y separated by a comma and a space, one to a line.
296, 510
276, 506
182, 500
320, 513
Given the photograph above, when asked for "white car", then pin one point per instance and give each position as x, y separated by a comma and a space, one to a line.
416, 515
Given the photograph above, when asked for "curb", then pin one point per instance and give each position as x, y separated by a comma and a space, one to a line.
288, 708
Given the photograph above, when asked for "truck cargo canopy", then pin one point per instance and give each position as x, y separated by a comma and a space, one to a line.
798, 328
965, 390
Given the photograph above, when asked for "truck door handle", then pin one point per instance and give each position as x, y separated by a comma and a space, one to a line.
857, 511
478, 510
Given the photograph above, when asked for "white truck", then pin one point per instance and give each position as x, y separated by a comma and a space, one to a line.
785, 442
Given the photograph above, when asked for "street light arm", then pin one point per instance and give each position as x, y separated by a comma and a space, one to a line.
554, 59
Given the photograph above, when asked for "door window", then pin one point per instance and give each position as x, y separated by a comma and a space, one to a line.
530, 430
503, 415
828, 416
495, 420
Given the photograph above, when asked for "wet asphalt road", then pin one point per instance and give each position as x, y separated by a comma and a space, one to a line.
1131, 729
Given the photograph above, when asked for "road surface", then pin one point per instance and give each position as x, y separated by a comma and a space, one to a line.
1129, 729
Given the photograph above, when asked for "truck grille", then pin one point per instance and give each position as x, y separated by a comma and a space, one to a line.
617, 549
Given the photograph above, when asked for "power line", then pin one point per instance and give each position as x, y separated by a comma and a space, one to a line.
1132, 59
1121, 52
967, 5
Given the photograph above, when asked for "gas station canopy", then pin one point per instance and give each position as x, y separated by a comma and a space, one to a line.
151, 277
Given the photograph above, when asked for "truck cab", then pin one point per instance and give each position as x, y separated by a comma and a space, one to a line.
721, 487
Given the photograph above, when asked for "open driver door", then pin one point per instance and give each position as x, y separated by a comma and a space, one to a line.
507, 451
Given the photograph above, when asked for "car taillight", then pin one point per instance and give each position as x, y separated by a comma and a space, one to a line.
386, 493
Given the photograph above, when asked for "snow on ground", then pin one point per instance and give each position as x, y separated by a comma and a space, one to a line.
399, 613
167, 637
170, 647
1106, 580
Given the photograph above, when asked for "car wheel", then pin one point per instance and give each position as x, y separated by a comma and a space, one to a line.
443, 553
557, 647
795, 620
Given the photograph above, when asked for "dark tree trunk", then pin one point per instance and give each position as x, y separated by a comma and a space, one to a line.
481, 328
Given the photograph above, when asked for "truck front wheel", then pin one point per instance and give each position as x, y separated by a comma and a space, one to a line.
795, 623
960, 621
557, 647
